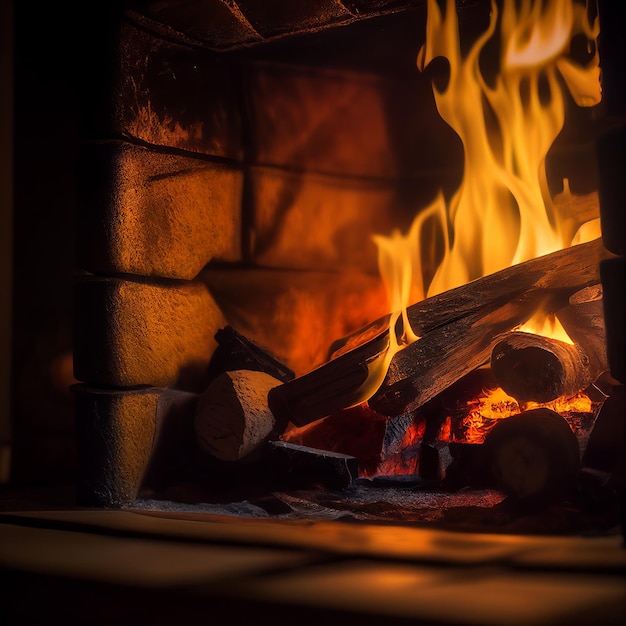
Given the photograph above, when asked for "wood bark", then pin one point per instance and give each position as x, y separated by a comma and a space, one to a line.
613, 273
236, 352
539, 369
443, 356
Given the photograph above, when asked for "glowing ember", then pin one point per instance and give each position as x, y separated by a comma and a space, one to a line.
402, 459
580, 403
492, 405
484, 411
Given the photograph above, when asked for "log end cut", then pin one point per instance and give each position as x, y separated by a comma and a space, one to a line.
232, 418
534, 456
539, 369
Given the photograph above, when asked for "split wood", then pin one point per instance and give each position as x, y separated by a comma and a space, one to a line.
457, 329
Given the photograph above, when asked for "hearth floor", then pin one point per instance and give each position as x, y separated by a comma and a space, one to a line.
74, 565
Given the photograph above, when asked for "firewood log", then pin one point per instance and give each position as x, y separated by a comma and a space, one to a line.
303, 467
583, 320
613, 275
456, 330
443, 356
416, 374
559, 274
434, 460
534, 457
232, 417
539, 369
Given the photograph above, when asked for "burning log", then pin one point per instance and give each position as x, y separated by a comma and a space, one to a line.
400, 446
533, 457
535, 368
429, 366
358, 432
232, 418
456, 327
559, 275
583, 320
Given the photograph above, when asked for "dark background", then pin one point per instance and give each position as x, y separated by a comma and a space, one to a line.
58, 70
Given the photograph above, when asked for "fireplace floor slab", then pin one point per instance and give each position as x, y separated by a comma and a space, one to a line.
147, 567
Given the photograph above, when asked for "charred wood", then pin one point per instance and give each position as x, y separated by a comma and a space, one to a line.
456, 329
434, 460
301, 467
613, 273
533, 457
606, 449
400, 445
466, 468
236, 352
535, 368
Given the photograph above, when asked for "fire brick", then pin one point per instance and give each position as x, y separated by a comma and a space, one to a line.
347, 122
154, 214
305, 221
153, 76
131, 333
115, 442
213, 22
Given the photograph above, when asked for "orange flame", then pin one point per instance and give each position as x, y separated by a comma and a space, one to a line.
493, 405
547, 325
485, 411
502, 213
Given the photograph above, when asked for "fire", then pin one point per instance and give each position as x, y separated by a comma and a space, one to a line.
580, 403
502, 213
493, 405
547, 325
485, 411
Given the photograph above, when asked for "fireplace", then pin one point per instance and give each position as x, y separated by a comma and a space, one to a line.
238, 160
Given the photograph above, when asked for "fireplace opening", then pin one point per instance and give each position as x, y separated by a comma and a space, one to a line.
239, 164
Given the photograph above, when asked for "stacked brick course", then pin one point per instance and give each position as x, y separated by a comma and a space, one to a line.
229, 181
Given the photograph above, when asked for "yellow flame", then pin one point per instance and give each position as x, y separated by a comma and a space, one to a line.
502, 213
580, 403
547, 325
484, 411
493, 405
540, 35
